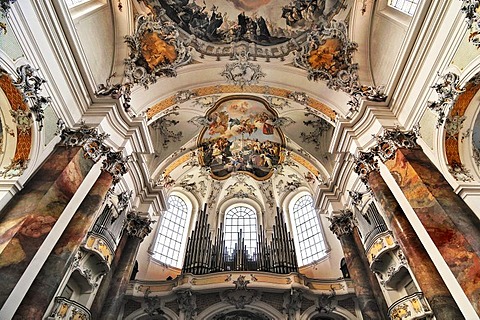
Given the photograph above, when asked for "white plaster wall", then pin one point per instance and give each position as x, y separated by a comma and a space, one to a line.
386, 38
96, 32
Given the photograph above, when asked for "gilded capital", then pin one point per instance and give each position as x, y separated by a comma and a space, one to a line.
393, 139
116, 165
365, 163
137, 225
343, 223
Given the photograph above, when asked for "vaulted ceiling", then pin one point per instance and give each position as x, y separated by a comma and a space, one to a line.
242, 97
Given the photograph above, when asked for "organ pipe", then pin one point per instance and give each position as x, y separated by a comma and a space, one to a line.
205, 254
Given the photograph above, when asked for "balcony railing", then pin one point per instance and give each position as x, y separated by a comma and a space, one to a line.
68, 309
410, 307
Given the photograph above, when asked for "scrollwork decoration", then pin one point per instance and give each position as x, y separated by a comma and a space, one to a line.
155, 51
327, 56
448, 91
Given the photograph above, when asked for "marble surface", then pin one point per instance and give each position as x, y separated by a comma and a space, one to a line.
43, 289
423, 268
28, 218
451, 224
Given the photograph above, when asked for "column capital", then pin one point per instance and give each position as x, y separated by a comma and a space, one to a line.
365, 163
343, 223
137, 225
91, 141
393, 139
115, 164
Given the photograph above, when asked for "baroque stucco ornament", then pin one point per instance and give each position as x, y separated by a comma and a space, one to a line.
138, 225
393, 139
30, 85
343, 223
242, 72
470, 9
155, 51
327, 55
448, 91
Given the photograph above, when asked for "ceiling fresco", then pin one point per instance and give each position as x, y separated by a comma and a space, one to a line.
241, 135
264, 22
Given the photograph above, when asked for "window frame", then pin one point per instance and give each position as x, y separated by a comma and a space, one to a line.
255, 232
155, 253
295, 231
401, 9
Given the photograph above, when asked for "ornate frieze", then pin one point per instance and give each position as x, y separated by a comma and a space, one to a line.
240, 296
30, 85
343, 223
365, 163
292, 302
325, 302
470, 9
155, 51
187, 304
137, 225
327, 56
242, 72
393, 139
448, 91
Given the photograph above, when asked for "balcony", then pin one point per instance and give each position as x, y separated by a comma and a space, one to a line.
410, 307
68, 309
381, 244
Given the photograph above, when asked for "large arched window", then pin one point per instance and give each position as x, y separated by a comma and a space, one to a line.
308, 232
241, 217
405, 6
171, 233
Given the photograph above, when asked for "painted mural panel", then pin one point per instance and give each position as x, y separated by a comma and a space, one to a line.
240, 136
264, 22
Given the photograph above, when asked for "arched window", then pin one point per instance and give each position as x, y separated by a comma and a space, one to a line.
73, 3
405, 6
308, 232
241, 217
172, 231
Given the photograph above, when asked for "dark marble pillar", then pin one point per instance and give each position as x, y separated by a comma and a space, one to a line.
342, 226
102, 291
452, 225
28, 218
431, 283
43, 289
137, 228
372, 278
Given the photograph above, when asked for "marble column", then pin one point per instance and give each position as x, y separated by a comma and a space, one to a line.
43, 289
28, 218
372, 278
451, 224
102, 291
342, 226
136, 228
431, 283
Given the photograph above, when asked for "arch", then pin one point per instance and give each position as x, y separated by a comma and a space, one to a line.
224, 307
306, 226
172, 231
338, 314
